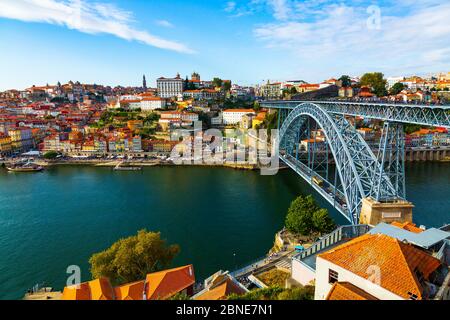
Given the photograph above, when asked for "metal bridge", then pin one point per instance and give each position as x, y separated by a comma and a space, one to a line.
358, 172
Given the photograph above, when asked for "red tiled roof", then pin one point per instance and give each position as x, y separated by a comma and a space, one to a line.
398, 262
347, 291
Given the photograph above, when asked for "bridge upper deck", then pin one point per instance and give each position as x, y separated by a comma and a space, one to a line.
428, 115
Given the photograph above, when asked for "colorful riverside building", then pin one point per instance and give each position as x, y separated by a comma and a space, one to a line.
21, 138
160, 285
5, 144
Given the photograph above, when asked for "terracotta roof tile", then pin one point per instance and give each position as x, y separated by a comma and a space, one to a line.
101, 289
131, 291
407, 226
164, 284
347, 291
80, 292
221, 291
398, 262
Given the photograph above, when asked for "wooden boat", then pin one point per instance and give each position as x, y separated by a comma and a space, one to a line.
28, 167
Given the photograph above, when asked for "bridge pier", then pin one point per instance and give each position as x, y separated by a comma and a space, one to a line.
373, 212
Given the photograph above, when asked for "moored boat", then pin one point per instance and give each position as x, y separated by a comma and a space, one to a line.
28, 167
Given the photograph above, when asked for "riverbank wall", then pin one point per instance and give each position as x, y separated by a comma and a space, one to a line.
152, 163
422, 154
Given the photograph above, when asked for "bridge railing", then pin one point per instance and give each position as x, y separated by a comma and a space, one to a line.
341, 233
428, 115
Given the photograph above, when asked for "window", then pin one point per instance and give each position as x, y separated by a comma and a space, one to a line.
412, 296
333, 276
391, 215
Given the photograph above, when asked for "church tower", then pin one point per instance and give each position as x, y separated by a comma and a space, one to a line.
144, 83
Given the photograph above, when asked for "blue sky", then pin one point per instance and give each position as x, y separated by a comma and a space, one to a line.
247, 41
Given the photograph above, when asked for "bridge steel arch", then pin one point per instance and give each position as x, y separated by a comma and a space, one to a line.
356, 164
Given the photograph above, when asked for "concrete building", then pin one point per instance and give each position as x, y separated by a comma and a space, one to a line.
21, 138
5, 144
270, 90
152, 103
393, 80
234, 116
247, 121
170, 87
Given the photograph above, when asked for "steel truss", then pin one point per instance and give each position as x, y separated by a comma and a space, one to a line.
356, 164
391, 157
437, 116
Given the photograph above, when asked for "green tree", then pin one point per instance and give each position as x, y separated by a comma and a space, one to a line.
305, 217
410, 128
50, 155
346, 81
227, 85
293, 90
376, 81
217, 82
256, 106
131, 259
152, 117
322, 222
300, 213
397, 88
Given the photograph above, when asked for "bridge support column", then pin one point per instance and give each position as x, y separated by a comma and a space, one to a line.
373, 212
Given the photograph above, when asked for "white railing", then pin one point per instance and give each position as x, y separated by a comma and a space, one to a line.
341, 233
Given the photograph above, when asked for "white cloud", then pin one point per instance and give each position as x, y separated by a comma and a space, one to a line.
84, 17
331, 38
230, 6
164, 23
281, 9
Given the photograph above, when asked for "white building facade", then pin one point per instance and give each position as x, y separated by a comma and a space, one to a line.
170, 87
152, 103
234, 116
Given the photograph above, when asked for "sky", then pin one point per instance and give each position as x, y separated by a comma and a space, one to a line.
247, 41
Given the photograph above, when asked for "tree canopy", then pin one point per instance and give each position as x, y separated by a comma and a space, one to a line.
131, 259
376, 81
345, 80
50, 155
397, 88
217, 82
306, 217
227, 85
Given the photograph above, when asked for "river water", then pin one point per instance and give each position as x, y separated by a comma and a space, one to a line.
221, 218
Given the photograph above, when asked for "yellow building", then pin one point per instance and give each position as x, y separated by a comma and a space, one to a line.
16, 138
89, 146
21, 138
258, 120
5, 144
